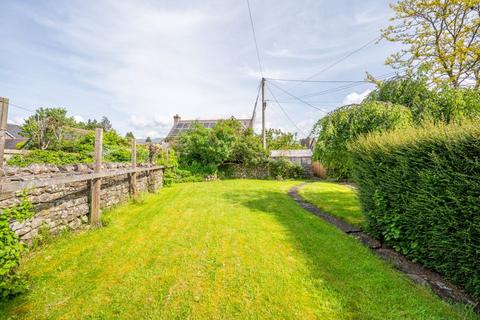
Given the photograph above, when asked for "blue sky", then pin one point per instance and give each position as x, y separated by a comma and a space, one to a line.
140, 62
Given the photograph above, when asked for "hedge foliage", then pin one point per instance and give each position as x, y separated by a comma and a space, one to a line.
344, 125
420, 191
11, 249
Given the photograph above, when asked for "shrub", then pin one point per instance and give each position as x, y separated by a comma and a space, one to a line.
420, 191
11, 248
283, 169
344, 125
205, 150
49, 157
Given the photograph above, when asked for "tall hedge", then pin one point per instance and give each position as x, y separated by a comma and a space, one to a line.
420, 191
344, 125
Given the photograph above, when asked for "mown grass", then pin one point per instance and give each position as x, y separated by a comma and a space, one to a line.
336, 199
218, 250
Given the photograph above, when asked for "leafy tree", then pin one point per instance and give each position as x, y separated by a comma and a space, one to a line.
46, 128
226, 143
148, 140
279, 140
344, 125
442, 103
442, 39
129, 135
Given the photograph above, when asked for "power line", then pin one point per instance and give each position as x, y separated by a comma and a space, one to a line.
318, 81
20, 107
256, 102
349, 54
343, 87
299, 99
285, 113
255, 38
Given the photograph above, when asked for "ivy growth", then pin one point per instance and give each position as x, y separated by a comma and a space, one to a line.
11, 248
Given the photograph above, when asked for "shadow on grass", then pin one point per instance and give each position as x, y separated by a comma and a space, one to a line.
365, 286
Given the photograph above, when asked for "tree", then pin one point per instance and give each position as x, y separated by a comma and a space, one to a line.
105, 124
148, 140
344, 125
226, 143
46, 128
129, 135
442, 103
279, 140
442, 39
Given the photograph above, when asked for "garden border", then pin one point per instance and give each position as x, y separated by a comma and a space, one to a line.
415, 271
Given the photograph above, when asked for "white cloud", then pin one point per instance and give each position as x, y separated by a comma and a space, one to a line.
355, 97
17, 120
155, 126
140, 62
78, 118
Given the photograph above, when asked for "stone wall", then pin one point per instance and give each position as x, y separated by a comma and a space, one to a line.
67, 205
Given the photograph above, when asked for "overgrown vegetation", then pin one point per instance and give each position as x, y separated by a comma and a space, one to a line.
62, 146
420, 191
216, 151
336, 130
11, 248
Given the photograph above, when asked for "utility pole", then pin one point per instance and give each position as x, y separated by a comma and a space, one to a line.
264, 106
3, 129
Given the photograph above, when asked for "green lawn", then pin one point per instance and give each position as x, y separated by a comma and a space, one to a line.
336, 199
232, 249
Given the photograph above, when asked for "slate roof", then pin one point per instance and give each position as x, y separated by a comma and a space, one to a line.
180, 126
13, 136
13, 131
304, 153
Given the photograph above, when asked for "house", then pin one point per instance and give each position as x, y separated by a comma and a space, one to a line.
13, 136
301, 157
180, 126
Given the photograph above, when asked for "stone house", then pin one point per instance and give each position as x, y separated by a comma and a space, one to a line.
13, 136
180, 126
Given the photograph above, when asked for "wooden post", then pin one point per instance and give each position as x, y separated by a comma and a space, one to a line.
96, 183
133, 175
3, 130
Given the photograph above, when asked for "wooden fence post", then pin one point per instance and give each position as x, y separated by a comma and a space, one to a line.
3, 130
133, 175
96, 183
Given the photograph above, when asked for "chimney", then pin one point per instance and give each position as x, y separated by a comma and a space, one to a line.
176, 118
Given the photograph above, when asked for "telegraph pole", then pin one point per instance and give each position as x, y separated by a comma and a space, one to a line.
264, 106
3, 129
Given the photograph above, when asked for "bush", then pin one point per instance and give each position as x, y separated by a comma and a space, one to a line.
11, 248
205, 150
49, 157
344, 125
420, 191
283, 169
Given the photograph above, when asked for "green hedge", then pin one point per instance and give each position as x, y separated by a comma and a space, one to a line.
420, 191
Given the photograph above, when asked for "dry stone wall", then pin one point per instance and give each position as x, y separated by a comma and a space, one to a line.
67, 205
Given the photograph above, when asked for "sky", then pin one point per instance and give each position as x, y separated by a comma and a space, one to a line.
141, 62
